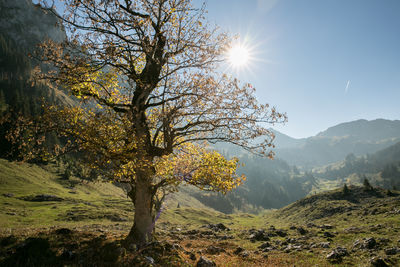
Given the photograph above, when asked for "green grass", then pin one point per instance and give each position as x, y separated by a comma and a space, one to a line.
91, 207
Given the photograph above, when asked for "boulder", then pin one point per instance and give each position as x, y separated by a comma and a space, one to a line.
302, 231
204, 262
337, 254
214, 250
238, 250
369, 243
378, 262
392, 251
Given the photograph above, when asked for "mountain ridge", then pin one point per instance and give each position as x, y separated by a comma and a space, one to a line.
357, 137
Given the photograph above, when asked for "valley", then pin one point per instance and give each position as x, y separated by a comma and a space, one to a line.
76, 222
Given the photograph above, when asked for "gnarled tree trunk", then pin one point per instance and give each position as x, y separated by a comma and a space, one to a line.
142, 230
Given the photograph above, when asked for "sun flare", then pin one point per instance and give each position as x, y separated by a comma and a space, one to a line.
238, 56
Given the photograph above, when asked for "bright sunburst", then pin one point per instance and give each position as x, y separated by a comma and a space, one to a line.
239, 56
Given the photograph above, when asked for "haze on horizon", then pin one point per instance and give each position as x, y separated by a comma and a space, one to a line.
322, 62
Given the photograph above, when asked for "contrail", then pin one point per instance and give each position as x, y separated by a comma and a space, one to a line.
347, 87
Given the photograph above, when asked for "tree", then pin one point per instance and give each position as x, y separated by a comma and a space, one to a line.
151, 99
345, 190
367, 185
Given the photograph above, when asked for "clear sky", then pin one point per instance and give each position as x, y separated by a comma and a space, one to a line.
322, 62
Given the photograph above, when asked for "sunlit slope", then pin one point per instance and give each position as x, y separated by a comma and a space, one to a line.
23, 187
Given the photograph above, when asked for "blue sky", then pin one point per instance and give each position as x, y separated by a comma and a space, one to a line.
322, 62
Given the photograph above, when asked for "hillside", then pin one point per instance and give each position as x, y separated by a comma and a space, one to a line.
81, 222
39, 196
382, 168
23, 26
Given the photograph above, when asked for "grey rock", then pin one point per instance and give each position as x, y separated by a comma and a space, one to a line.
392, 251
369, 243
264, 245
310, 225
238, 250
329, 234
281, 233
214, 250
244, 254
8, 194
302, 231
204, 262
324, 244
217, 227
378, 262
337, 254
149, 260
259, 235
326, 226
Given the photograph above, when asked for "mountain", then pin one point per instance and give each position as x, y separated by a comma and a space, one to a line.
284, 141
382, 168
364, 130
23, 25
356, 137
27, 24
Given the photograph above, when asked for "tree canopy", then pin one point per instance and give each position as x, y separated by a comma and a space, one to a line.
151, 98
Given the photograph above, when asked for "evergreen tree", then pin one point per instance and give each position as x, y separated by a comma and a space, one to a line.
367, 185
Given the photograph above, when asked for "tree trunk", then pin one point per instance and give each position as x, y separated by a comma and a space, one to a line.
142, 230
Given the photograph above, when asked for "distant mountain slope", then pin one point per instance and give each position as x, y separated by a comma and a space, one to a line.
23, 25
27, 24
381, 168
364, 130
284, 141
357, 137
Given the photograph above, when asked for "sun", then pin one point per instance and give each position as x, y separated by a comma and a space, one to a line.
238, 56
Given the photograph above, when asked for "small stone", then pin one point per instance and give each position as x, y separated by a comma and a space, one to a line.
238, 250
280, 233
329, 234
8, 194
264, 245
192, 256
325, 244
302, 231
326, 226
149, 260
310, 225
244, 254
